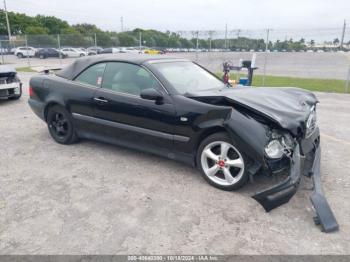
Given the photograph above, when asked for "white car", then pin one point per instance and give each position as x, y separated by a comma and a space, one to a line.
74, 52
10, 85
129, 50
25, 51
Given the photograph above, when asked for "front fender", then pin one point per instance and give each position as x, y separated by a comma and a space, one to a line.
250, 135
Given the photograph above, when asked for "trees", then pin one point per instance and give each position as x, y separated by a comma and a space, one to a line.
52, 24
336, 41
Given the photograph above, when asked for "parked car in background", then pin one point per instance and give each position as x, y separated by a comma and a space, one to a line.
49, 52
110, 50
132, 50
152, 51
94, 50
10, 85
74, 52
25, 51
87, 51
4, 51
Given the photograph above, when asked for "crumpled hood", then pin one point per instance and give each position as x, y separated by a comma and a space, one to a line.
287, 107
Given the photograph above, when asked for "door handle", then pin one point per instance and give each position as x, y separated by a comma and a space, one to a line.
100, 100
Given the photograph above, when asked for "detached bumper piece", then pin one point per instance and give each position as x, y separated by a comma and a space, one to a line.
324, 215
281, 193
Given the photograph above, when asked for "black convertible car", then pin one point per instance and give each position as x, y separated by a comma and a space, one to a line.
176, 108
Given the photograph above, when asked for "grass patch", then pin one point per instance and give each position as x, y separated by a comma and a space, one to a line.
312, 84
25, 69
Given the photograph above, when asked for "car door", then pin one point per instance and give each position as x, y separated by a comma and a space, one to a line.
65, 51
128, 119
74, 52
79, 98
52, 52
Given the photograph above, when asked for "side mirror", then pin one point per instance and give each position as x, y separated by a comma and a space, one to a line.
151, 94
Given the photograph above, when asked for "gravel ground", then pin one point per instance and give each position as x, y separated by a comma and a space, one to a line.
311, 65
93, 198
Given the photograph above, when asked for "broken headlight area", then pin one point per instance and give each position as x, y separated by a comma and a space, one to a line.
280, 145
311, 122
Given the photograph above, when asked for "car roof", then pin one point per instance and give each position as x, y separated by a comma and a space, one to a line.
80, 64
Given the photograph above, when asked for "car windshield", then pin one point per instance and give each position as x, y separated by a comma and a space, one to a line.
187, 77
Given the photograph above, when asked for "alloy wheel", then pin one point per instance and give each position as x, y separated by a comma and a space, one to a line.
222, 163
59, 124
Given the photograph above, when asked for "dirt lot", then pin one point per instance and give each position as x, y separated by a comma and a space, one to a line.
93, 198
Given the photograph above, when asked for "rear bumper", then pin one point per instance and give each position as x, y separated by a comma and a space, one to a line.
37, 107
284, 191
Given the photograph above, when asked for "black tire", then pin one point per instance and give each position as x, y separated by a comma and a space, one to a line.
60, 125
42, 57
19, 55
81, 55
242, 177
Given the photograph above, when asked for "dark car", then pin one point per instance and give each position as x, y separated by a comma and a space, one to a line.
49, 52
177, 109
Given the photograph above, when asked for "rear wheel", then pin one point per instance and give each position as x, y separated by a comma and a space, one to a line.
20, 55
60, 125
221, 162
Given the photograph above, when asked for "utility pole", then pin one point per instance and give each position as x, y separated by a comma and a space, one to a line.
197, 45
121, 24
238, 32
211, 33
140, 35
343, 35
265, 61
7, 21
226, 36
237, 41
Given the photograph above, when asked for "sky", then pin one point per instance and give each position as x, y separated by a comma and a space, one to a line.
315, 16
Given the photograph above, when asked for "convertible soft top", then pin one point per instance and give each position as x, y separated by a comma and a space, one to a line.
74, 69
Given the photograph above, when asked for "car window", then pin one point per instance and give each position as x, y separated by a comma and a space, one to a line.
92, 75
187, 77
128, 78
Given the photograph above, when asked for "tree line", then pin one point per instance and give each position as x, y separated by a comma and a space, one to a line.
44, 31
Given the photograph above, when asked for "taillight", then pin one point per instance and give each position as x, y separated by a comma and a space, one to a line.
31, 92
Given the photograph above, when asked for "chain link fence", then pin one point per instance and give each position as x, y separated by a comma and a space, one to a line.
317, 59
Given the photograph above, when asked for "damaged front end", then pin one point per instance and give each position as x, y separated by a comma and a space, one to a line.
278, 131
304, 159
10, 85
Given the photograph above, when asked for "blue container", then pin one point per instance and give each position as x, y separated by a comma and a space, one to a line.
243, 81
